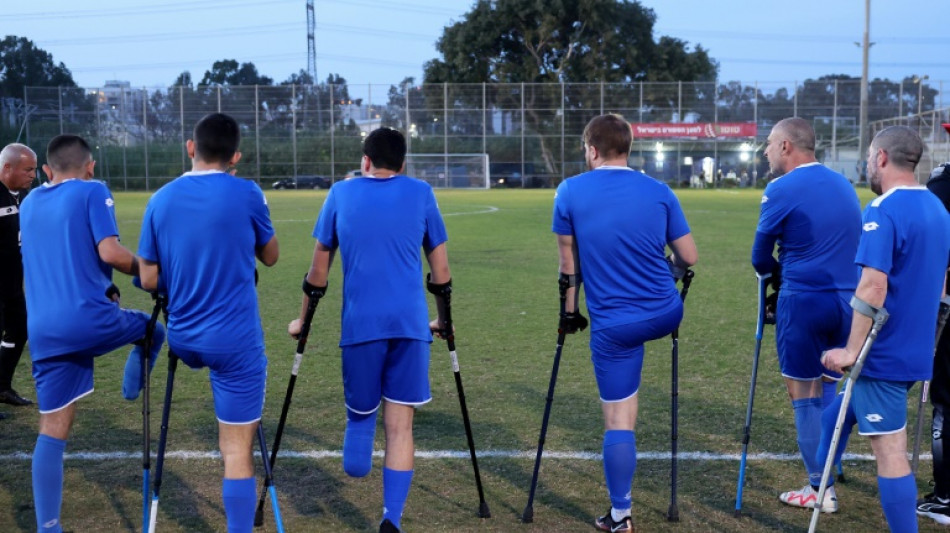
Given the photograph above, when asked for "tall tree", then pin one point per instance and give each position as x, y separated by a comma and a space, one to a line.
229, 72
22, 64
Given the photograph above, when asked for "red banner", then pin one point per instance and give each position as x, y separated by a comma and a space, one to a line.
708, 130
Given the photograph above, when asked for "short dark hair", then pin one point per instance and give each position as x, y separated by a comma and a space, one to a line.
216, 137
67, 152
799, 132
902, 144
610, 134
385, 148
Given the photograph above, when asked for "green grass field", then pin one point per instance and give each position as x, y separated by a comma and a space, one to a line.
504, 264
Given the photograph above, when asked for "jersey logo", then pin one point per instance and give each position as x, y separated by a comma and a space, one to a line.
765, 198
937, 434
871, 226
874, 418
12, 210
109, 202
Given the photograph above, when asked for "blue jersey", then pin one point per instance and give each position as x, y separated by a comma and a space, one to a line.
906, 235
203, 229
815, 214
379, 226
61, 226
621, 220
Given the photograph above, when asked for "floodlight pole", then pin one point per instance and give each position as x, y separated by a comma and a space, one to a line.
866, 45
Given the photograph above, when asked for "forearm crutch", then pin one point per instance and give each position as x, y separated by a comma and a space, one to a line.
146, 428
763, 281
313, 298
673, 513
528, 515
444, 292
878, 316
942, 313
162, 300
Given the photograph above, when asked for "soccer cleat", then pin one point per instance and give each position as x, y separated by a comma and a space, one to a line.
936, 508
388, 527
11, 397
607, 523
807, 496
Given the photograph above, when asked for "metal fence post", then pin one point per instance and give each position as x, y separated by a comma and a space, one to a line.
257, 130
145, 132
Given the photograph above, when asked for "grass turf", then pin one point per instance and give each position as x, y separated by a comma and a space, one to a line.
503, 258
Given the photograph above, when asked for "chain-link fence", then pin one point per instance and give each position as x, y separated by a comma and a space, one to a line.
695, 134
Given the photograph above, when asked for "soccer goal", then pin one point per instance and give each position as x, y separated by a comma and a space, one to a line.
449, 171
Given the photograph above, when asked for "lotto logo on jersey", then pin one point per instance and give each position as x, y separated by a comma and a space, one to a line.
109, 202
871, 226
765, 198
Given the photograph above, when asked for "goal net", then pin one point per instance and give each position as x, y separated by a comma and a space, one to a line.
449, 171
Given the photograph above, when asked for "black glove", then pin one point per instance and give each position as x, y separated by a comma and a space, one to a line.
771, 304
677, 272
112, 293
572, 322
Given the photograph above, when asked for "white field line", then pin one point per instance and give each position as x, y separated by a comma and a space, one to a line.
444, 454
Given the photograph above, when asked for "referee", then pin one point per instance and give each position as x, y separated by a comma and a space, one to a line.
17, 171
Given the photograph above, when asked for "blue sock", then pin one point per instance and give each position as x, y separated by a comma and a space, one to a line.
396, 485
828, 418
132, 380
358, 443
240, 498
899, 501
620, 465
48, 483
829, 389
808, 424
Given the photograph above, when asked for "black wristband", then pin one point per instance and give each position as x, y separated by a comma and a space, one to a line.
438, 289
312, 290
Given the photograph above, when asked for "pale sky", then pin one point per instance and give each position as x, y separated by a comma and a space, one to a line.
381, 42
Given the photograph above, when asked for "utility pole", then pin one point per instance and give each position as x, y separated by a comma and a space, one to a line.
863, 127
311, 42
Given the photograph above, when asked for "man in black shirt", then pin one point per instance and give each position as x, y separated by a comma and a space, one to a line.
17, 171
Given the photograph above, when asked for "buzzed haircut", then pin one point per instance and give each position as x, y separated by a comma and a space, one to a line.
12, 152
902, 144
216, 138
610, 134
798, 132
67, 152
385, 148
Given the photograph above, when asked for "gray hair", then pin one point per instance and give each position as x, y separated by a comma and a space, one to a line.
799, 132
902, 144
14, 151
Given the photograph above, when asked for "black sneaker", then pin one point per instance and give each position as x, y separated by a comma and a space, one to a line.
11, 397
607, 523
936, 508
388, 527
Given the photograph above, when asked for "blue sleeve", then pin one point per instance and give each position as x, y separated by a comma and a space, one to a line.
435, 226
101, 213
260, 217
148, 248
878, 235
562, 223
762, 260
325, 228
676, 225
773, 210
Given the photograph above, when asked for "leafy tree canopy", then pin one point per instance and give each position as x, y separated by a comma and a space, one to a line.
563, 41
22, 64
228, 72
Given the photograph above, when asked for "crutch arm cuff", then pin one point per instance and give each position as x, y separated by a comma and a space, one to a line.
567, 281
312, 290
865, 308
438, 289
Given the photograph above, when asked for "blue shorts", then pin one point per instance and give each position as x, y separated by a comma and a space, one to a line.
617, 353
238, 382
807, 324
63, 379
396, 370
880, 405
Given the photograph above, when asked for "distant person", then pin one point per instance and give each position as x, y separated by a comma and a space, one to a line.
903, 254
17, 172
202, 234
613, 224
379, 222
936, 504
70, 248
814, 215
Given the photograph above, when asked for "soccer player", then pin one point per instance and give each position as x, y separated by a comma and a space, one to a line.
379, 221
618, 222
814, 215
903, 255
70, 248
17, 171
201, 234
936, 505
